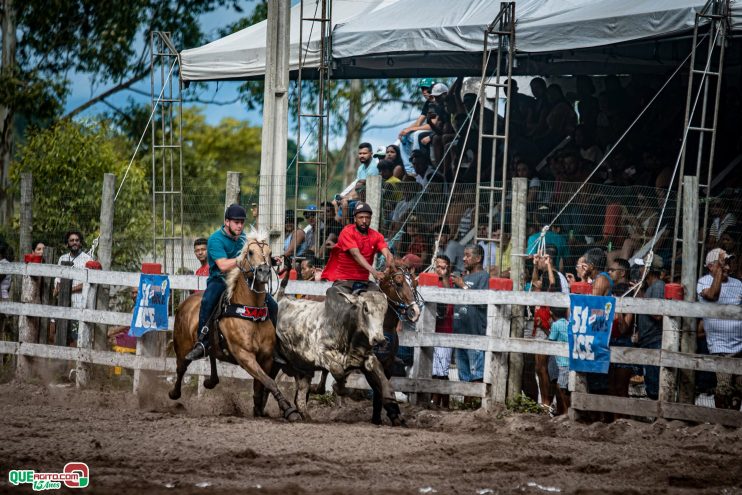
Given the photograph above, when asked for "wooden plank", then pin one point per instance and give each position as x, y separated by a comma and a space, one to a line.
108, 358
430, 294
426, 385
700, 414
701, 362
57, 271
620, 405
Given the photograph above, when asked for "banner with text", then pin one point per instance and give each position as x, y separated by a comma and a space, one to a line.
591, 319
150, 310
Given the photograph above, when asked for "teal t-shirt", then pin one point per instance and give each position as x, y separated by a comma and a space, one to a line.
559, 333
220, 246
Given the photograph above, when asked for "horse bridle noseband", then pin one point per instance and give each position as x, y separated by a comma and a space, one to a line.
249, 275
402, 309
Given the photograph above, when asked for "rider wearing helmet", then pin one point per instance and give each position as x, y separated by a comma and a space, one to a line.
223, 247
351, 259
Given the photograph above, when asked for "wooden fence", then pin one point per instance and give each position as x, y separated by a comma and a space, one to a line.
504, 309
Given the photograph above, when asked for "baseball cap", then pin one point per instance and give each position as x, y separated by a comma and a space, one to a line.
380, 152
235, 212
362, 207
657, 262
439, 89
714, 255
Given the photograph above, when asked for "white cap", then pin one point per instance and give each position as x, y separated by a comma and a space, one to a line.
439, 89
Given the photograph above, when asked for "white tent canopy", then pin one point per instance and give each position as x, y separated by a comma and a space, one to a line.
401, 37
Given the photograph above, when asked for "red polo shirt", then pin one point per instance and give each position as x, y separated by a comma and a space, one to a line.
341, 265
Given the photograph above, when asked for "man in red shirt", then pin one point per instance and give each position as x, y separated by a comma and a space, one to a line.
199, 249
351, 258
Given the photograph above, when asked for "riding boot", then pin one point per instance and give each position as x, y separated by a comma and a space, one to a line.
201, 349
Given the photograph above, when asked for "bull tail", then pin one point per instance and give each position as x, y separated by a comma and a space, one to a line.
284, 282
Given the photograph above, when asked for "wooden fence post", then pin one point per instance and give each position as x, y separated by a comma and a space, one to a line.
28, 326
85, 333
423, 356
373, 198
517, 270
670, 342
496, 363
689, 279
47, 297
233, 189
105, 253
64, 301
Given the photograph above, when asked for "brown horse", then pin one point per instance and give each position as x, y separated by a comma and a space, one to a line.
404, 305
249, 343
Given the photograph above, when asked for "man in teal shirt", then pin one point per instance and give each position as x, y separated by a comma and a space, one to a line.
223, 247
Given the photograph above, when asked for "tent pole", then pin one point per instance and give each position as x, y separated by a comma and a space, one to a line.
272, 199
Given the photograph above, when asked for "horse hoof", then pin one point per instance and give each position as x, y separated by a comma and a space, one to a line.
399, 422
293, 417
316, 390
376, 421
174, 395
209, 383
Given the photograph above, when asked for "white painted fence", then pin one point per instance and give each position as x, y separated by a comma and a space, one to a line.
497, 342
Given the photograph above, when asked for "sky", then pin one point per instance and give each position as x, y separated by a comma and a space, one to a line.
226, 91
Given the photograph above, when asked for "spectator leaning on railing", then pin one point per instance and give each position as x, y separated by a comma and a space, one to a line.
471, 319
724, 336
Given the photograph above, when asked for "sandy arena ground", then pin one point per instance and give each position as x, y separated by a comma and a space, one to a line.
212, 445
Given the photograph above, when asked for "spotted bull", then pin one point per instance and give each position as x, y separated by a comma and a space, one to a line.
336, 335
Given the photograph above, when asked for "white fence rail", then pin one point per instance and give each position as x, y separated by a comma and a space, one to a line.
496, 343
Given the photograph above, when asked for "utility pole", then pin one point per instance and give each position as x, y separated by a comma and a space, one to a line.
272, 200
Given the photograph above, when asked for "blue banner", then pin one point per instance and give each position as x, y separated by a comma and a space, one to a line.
150, 310
591, 319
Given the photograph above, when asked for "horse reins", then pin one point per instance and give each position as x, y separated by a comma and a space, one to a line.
401, 308
251, 271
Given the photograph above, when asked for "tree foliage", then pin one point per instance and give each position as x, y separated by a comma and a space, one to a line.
67, 162
350, 106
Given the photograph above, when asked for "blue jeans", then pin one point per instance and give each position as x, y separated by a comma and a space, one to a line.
470, 364
213, 293
652, 374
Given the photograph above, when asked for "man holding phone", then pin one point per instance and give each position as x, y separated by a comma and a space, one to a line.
470, 319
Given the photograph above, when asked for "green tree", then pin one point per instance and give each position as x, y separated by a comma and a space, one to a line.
351, 103
45, 40
209, 152
67, 162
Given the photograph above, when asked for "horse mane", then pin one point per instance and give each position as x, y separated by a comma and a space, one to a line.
254, 235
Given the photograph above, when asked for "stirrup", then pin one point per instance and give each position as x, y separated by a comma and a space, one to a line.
198, 352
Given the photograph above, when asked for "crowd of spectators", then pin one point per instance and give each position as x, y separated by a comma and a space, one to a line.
602, 233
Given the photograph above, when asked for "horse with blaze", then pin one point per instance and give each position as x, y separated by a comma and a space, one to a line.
248, 342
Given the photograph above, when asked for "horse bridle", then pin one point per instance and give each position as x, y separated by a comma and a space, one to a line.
402, 309
246, 274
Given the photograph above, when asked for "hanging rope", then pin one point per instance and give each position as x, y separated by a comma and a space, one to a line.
482, 89
546, 228
650, 255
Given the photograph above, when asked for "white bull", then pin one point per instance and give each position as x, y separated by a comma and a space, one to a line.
336, 335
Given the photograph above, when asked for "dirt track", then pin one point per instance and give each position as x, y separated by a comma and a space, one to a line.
157, 446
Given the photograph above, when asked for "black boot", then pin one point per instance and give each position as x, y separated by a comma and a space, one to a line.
200, 350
